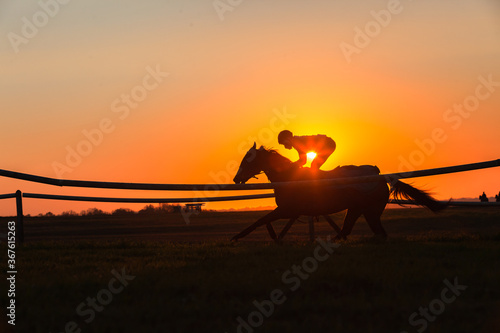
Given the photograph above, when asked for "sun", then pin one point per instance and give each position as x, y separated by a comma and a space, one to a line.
311, 155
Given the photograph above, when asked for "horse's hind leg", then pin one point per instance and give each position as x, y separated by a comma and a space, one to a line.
372, 216
286, 228
334, 225
349, 220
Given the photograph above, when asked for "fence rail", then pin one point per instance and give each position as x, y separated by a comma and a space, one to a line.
148, 200
215, 187
214, 199
237, 187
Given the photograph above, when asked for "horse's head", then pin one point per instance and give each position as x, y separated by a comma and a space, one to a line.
250, 166
264, 160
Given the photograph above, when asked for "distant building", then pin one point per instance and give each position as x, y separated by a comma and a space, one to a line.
196, 207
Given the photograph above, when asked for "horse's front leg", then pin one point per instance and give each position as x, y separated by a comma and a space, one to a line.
286, 228
266, 219
334, 226
271, 231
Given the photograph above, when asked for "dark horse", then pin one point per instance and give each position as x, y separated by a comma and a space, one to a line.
316, 199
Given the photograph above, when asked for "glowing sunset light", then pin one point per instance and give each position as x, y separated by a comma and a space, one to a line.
310, 156
178, 92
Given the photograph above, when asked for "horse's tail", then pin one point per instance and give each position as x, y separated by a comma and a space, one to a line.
402, 191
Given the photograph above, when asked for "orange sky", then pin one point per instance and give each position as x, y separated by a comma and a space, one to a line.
390, 95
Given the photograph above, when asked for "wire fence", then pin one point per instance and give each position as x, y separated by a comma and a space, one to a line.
389, 178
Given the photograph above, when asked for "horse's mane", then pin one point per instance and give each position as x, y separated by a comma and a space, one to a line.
269, 150
275, 153
279, 159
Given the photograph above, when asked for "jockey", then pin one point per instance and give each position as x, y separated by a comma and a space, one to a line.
322, 145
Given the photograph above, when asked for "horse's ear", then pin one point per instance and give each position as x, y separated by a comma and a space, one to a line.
254, 145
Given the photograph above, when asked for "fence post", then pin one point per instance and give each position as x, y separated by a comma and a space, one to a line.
20, 217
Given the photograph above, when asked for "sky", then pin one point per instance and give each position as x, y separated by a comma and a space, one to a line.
177, 91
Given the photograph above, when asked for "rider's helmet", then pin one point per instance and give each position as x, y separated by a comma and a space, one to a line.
284, 137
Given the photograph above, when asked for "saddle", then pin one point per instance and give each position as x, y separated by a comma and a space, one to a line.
342, 172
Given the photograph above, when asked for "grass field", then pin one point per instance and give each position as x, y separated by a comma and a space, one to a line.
441, 272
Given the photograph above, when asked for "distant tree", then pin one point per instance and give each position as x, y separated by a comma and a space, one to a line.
148, 210
123, 212
93, 212
162, 208
69, 213
168, 208
49, 214
176, 209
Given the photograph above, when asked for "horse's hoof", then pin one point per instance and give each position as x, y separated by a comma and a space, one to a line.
379, 238
339, 238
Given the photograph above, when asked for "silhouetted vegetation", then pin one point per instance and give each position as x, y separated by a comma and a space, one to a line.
123, 212
69, 213
163, 208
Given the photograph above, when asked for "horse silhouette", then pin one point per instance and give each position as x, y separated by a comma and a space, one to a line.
318, 199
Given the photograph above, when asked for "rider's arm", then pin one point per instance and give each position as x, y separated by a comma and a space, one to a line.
302, 159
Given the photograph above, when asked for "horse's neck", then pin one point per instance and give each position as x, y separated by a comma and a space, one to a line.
278, 168
295, 173
274, 176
